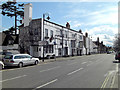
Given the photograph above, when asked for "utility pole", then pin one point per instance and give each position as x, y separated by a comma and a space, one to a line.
43, 31
15, 21
62, 41
43, 36
89, 44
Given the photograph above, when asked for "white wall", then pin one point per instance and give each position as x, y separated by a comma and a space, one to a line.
27, 14
91, 46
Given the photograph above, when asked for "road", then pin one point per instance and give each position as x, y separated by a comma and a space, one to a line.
92, 71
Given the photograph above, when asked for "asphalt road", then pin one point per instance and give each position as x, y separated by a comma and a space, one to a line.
93, 71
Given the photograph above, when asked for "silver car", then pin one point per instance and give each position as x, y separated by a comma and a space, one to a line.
20, 60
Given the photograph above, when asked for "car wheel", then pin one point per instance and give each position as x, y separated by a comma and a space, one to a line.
36, 62
20, 65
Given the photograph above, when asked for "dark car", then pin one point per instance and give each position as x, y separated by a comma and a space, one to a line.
108, 52
117, 56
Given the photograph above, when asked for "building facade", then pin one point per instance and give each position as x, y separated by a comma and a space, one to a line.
58, 40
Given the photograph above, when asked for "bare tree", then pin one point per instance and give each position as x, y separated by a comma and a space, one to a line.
117, 43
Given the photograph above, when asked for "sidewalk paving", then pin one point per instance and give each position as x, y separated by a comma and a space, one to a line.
61, 58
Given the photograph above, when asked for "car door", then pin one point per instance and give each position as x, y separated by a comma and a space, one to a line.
32, 59
24, 59
29, 60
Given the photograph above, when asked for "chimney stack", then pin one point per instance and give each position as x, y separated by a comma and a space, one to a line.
86, 34
80, 31
27, 14
68, 25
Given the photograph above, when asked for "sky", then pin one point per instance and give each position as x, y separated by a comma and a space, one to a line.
99, 19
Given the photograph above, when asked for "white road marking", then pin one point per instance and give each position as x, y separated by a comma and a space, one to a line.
13, 78
75, 71
90, 63
83, 62
47, 83
105, 74
50, 69
117, 67
113, 81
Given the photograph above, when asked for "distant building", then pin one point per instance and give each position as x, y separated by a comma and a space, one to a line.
101, 48
88, 43
9, 42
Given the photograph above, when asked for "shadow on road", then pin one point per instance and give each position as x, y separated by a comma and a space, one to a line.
8, 67
116, 61
14, 67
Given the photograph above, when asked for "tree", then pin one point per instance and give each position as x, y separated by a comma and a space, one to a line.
10, 30
117, 43
13, 9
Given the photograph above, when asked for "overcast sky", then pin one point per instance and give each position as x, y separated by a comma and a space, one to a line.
99, 19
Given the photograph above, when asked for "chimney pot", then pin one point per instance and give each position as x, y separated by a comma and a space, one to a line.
68, 25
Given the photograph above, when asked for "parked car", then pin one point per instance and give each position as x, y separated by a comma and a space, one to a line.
2, 54
117, 56
20, 60
1, 65
109, 52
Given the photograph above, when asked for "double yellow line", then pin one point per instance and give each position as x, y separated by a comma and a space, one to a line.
105, 82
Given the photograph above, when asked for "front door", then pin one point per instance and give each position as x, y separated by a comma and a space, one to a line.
36, 51
66, 51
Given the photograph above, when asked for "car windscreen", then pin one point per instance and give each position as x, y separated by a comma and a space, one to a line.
8, 53
8, 57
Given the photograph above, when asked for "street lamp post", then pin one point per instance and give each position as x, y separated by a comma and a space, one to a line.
89, 45
55, 43
43, 30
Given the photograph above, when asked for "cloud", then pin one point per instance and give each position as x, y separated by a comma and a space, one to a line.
75, 24
110, 18
103, 29
102, 16
102, 22
105, 33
